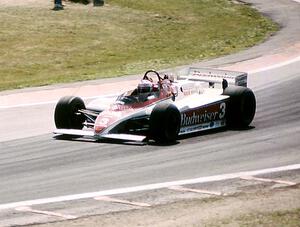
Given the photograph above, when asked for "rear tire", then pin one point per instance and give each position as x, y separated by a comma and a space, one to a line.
241, 107
165, 122
66, 113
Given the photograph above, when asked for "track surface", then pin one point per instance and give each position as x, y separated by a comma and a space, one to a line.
41, 167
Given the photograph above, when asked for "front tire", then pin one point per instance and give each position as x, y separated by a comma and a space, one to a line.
242, 106
165, 122
66, 115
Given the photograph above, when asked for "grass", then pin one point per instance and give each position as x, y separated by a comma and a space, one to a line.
289, 218
40, 47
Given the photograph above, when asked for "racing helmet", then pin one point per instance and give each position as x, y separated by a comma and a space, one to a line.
145, 86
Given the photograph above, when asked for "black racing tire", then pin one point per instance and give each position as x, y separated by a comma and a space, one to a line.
165, 120
241, 106
66, 115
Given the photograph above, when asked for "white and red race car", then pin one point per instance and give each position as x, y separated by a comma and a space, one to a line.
162, 108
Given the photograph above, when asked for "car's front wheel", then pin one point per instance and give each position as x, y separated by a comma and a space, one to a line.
66, 115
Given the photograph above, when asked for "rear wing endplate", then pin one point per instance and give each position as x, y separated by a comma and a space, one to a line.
215, 76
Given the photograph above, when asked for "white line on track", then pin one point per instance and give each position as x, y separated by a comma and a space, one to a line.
53, 102
146, 187
275, 66
28, 104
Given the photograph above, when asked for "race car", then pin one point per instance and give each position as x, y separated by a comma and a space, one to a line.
161, 107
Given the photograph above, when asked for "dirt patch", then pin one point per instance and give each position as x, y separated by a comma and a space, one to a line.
278, 207
26, 2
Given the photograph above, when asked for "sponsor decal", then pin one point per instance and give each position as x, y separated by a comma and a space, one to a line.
238, 78
203, 115
105, 119
202, 127
211, 75
120, 107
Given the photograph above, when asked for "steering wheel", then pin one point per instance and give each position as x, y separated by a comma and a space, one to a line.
152, 71
129, 99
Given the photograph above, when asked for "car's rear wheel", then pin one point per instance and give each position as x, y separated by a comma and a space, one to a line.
241, 107
66, 113
165, 122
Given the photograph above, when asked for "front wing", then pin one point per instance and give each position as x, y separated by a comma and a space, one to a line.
91, 135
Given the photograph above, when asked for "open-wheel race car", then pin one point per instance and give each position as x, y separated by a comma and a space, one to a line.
161, 108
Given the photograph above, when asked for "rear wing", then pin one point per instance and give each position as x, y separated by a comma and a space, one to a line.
215, 76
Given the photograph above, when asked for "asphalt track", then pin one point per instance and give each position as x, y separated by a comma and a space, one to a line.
41, 167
